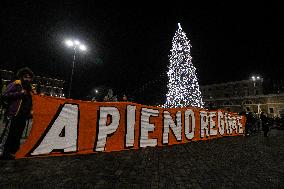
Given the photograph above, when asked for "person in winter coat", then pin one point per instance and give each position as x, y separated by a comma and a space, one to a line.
19, 110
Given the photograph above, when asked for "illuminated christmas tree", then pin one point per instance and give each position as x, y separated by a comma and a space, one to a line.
183, 88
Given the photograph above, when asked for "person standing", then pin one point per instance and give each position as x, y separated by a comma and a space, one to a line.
110, 97
124, 98
1, 100
19, 110
249, 123
1, 82
265, 124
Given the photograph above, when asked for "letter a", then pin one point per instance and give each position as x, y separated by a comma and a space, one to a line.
66, 119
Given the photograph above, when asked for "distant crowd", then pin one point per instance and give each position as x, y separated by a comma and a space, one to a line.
110, 97
261, 123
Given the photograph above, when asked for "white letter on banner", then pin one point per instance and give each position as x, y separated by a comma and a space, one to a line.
204, 124
189, 113
130, 128
234, 123
221, 124
146, 127
213, 130
240, 125
105, 129
67, 119
169, 123
228, 121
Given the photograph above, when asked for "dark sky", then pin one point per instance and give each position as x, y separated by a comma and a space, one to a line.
129, 43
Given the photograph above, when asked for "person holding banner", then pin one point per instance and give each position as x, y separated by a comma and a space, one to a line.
19, 110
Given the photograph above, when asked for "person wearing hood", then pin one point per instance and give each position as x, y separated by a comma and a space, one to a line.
19, 110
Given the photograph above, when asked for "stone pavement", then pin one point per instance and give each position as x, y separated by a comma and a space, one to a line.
231, 162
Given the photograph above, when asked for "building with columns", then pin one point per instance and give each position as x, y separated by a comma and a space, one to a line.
245, 95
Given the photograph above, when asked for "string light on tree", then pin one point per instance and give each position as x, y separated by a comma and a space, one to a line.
183, 88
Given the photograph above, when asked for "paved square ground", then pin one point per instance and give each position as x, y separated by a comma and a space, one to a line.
230, 162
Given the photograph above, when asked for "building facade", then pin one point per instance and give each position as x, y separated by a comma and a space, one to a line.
43, 85
245, 95
49, 86
6, 75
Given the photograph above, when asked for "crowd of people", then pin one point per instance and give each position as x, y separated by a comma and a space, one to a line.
16, 100
256, 124
110, 97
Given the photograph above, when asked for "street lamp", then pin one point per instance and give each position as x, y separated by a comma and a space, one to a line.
256, 79
75, 44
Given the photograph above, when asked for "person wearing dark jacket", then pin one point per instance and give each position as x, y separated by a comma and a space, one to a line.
1, 100
19, 110
265, 124
249, 123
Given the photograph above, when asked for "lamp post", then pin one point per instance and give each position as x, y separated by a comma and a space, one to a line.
76, 45
256, 79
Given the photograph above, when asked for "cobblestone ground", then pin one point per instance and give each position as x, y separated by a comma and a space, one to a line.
231, 162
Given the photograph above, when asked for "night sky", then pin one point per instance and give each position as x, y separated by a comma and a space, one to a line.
129, 43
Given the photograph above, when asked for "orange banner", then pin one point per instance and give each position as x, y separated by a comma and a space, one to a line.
65, 126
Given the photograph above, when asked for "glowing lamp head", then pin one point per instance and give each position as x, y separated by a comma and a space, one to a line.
83, 47
77, 42
69, 43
